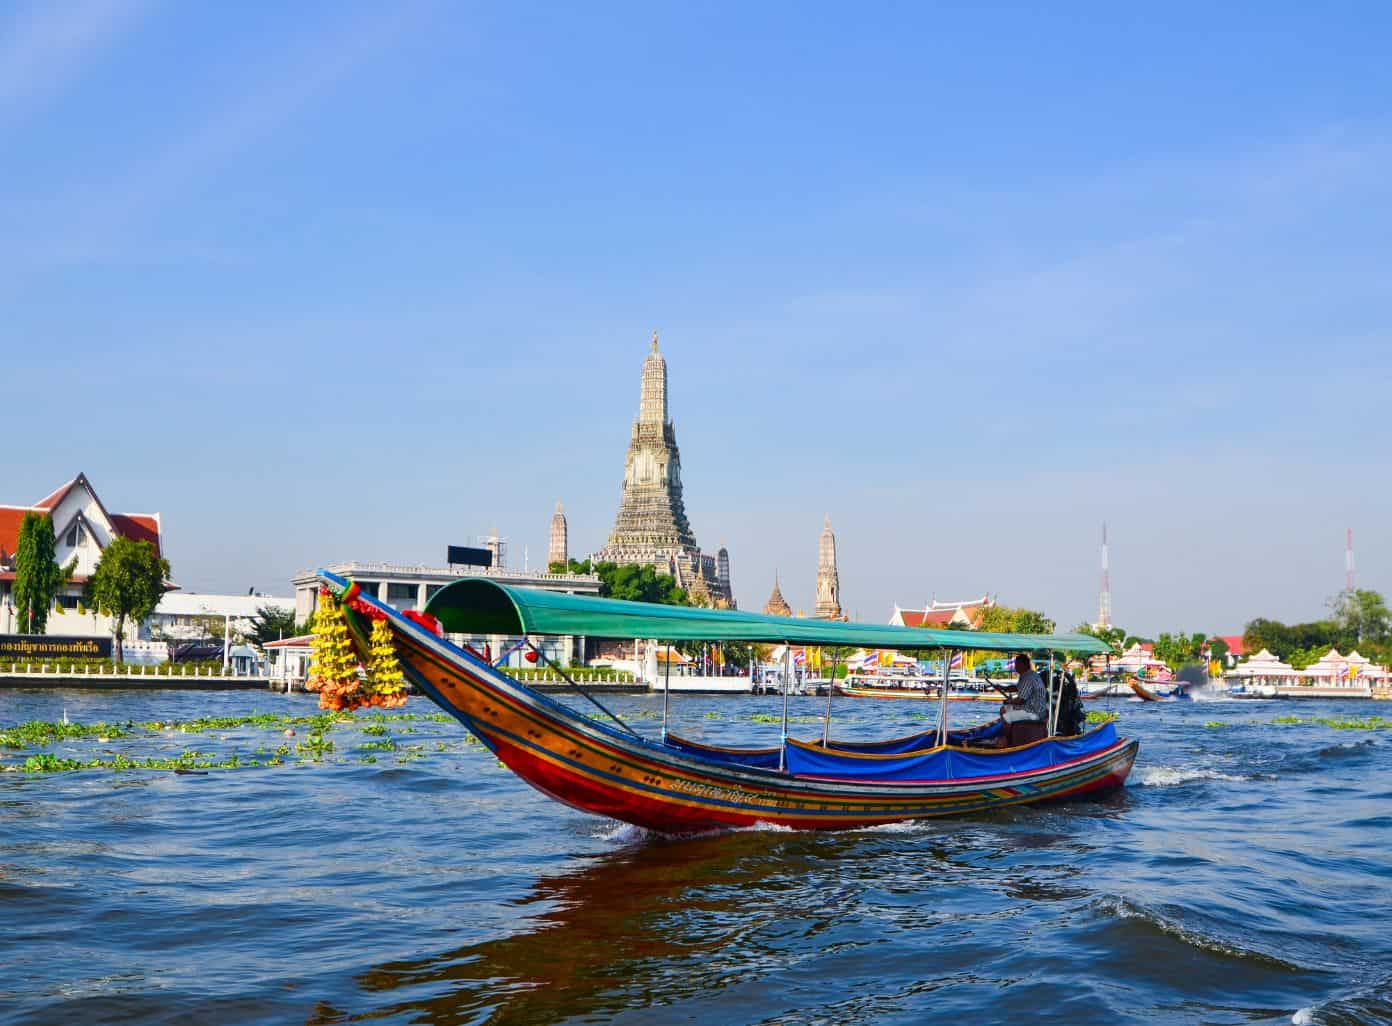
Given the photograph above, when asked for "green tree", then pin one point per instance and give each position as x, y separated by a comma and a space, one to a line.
1218, 649
1010, 620
38, 577
1271, 635
639, 584
1361, 618
127, 584
271, 623
574, 566
1113, 636
1284, 640
1180, 649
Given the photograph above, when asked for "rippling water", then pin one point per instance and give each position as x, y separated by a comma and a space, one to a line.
1242, 876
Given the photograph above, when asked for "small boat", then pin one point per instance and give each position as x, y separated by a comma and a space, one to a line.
1146, 694
674, 785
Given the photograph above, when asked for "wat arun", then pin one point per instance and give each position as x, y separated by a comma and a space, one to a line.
651, 528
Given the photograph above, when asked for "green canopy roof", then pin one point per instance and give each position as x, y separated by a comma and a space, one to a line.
476, 605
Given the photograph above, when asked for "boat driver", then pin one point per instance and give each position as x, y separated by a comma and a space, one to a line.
1031, 701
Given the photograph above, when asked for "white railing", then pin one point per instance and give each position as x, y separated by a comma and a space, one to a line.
131, 672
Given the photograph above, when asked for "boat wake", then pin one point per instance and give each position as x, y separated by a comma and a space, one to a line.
1369, 1005
623, 834
1148, 918
1169, 776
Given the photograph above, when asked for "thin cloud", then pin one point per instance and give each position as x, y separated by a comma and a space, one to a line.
303, 76
47, 45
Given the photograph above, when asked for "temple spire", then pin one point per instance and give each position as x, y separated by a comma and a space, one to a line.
828, 580
651, 527
559, 549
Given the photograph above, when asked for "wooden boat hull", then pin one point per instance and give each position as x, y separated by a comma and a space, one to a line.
598, 769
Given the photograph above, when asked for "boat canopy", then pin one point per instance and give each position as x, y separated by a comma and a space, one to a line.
477, 605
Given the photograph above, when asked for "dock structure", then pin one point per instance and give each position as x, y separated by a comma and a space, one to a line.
199, 678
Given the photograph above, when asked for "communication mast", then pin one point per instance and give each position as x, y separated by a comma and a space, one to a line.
1104, 606
1350, 574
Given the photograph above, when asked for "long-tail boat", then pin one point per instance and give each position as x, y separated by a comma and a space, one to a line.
677, 786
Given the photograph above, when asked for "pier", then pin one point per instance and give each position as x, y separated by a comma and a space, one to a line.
199, 678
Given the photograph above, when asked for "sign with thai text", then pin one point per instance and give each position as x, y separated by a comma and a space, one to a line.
14, 647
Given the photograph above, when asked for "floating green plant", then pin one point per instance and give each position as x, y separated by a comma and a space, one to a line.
1355, 723
40, 734
316, 745
1098, 716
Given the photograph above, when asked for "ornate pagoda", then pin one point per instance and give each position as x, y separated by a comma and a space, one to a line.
651, 528
828, 581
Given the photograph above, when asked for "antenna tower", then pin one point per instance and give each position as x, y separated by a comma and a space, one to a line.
1350, 574
1104, 606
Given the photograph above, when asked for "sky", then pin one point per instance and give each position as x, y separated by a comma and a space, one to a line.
331, 281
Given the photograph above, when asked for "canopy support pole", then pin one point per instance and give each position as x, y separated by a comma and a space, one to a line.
666, 689
942, 700
589, 697
1049, 692
787, 681
831, 687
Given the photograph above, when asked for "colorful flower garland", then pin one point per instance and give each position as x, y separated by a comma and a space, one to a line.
334, 666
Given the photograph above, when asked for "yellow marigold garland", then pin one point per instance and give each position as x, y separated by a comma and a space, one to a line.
386, 684
333, 666
334, 671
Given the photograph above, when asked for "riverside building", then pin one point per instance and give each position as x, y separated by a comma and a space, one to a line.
83, 527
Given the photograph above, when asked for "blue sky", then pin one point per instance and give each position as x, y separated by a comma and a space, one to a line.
330, 280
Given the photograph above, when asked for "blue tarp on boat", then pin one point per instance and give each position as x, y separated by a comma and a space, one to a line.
920, 742
946, 764
767, 758
762, 758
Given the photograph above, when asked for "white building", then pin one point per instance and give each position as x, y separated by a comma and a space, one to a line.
83, 528
188, 616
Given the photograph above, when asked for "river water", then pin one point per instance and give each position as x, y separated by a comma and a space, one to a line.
1242, 876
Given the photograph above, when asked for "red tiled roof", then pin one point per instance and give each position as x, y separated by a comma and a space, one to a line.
10, 575
10, 519
52, 499
299, 642
1234, 643
139, 527
926, 618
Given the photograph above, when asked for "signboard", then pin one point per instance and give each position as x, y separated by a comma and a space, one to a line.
16, 647
459, 554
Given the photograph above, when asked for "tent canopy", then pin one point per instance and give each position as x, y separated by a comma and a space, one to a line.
476, 605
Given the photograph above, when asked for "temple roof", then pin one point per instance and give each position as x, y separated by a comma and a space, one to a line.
776, 604
138, 526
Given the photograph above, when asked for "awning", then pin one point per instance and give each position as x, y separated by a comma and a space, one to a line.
475, 605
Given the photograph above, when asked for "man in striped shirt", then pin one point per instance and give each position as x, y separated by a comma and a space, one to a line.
1031, 701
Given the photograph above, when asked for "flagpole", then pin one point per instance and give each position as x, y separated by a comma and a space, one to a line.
787, 679
666, 689
831, 686
942, 702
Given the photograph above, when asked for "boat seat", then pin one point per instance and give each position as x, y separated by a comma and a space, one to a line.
1024, 732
